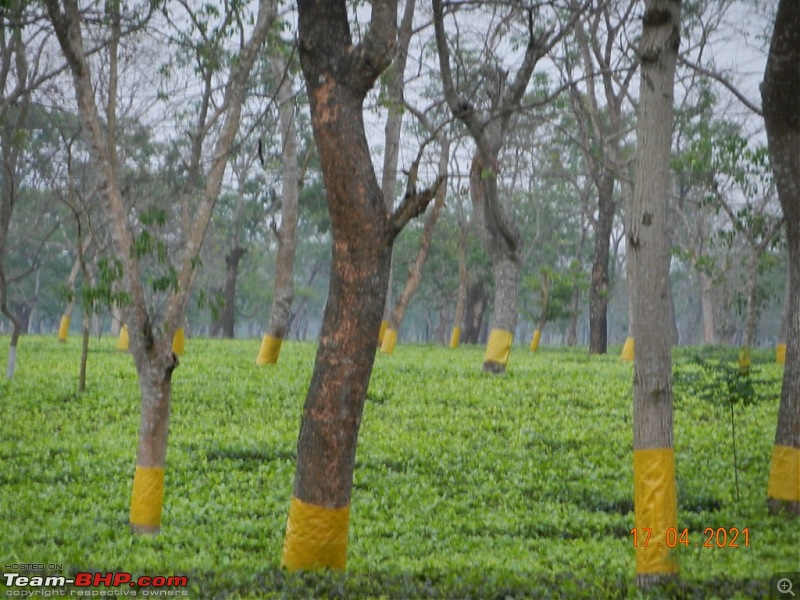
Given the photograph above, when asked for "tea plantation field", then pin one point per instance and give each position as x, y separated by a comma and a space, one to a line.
466, 485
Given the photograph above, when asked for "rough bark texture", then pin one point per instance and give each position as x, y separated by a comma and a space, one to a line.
648, 241
338, 76
284, 264
780, 93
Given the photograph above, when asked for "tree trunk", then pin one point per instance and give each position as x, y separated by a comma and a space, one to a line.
500, 239
463, 283
394, 122
753, 309
707, 304
415, 275
476, 307
655, 495
338, 75
284, 266
227, 319
780, 93
598, 293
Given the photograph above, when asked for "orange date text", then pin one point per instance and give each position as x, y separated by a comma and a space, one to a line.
719, 537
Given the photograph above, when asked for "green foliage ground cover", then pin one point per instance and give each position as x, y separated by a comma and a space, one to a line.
466, 485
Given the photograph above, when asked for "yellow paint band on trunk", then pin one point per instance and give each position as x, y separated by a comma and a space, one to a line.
389, 340
122, 342
627, 349
148, 496
537, 336
784, 474
63, 329
270, 350
382, 332
744, 359
780, 354
655, 508
498, 347
455, 337
178, 341
316, 537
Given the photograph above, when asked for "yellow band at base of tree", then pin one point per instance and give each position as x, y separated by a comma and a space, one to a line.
382, 332
122, 342
784, 474
178, 341
389, 340
498, 347
655, 508
780, 354
270, 350
63, 329
316, 537
537, 336
455, 337
148, 496
627, 349
744, 359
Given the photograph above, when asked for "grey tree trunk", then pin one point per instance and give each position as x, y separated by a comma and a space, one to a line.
284, 266
780, 93
655, 496
707, 304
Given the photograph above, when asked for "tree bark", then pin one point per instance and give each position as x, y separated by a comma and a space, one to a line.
707, 304
227, 319
599, 290
338, 75
655, 495
284, 266
780, 93
476, 302
463, 283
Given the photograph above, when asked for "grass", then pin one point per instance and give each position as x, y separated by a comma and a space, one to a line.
466, 485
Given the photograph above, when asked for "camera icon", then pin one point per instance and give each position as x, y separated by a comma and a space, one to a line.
784, 586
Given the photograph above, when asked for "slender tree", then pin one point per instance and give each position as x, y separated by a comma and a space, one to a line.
655, 496
338, 75
286, 234
780, 93
150, 337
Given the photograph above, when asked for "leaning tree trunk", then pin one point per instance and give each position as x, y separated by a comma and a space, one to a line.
415, 275
63, 328
500, 238
338, 76
655, 496
780, 94
284, 266
598, 293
